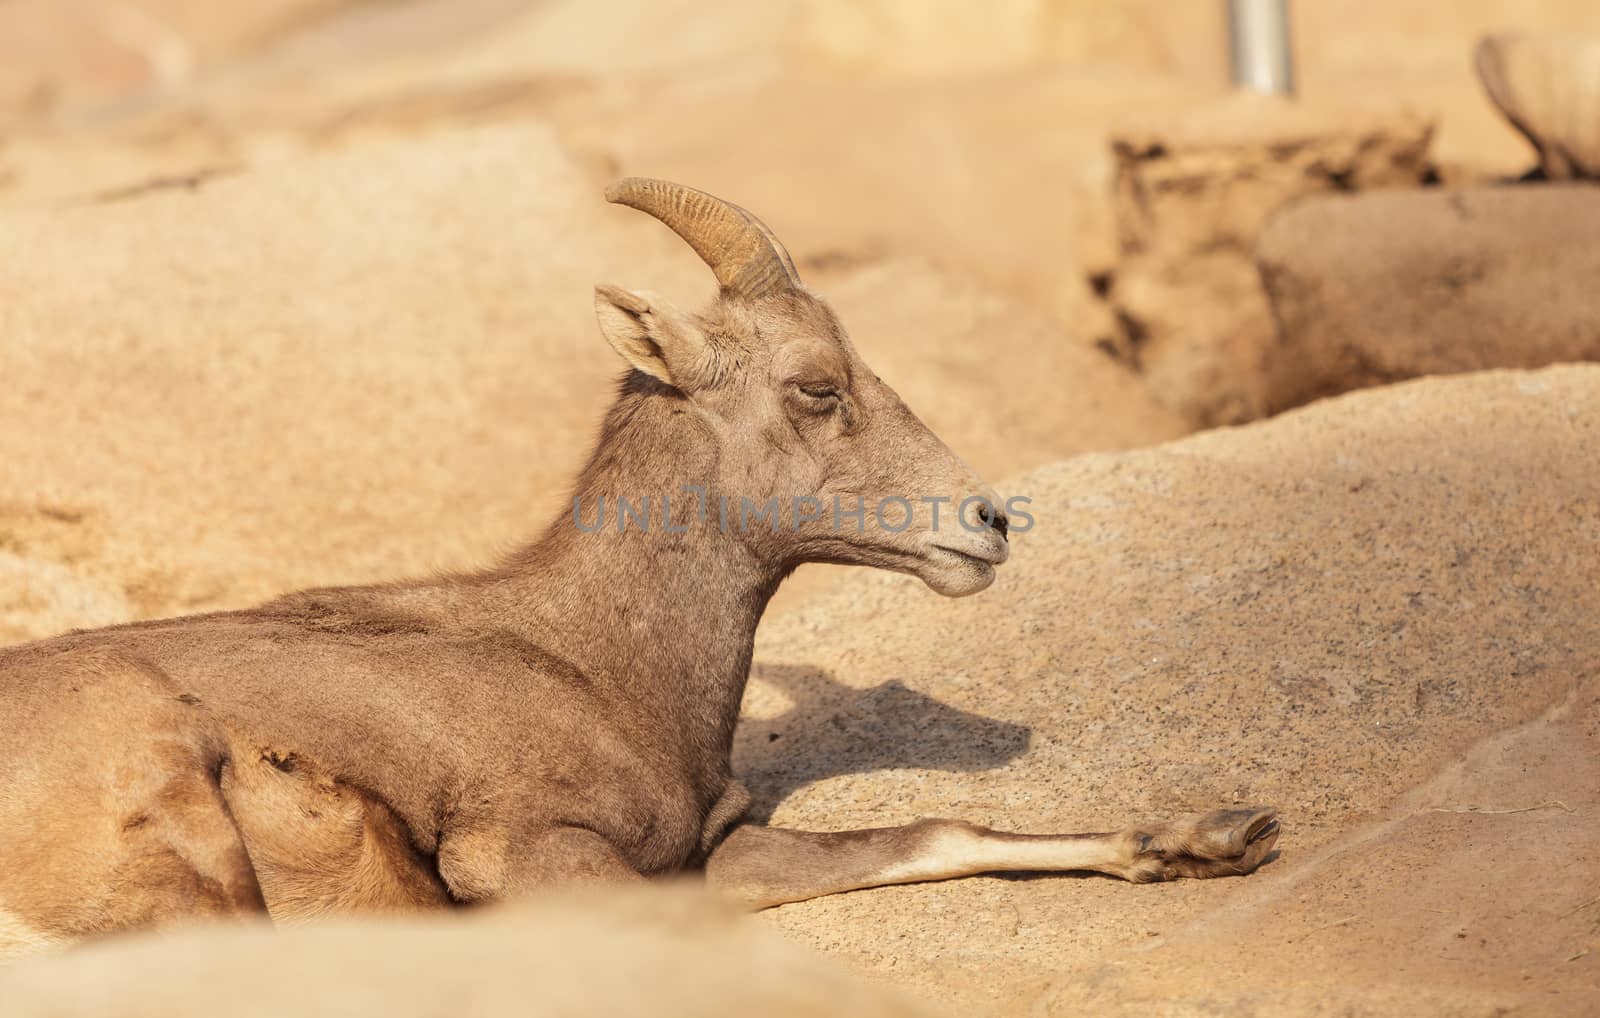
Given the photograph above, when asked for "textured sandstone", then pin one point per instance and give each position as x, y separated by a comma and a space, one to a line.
343, 370
1372, 288
1190, 200
568, 956
1322, 612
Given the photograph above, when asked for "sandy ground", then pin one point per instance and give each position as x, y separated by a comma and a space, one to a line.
298, 293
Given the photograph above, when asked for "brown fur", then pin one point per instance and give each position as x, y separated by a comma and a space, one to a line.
565, 716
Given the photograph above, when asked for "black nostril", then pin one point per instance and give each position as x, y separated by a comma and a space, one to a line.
992, 518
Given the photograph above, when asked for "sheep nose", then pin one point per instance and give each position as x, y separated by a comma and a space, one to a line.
994, 518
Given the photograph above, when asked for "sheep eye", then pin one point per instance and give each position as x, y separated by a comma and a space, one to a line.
819, 390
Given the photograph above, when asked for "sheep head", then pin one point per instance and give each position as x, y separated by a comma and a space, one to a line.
794, 414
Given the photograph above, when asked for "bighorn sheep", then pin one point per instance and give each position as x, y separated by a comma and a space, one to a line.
565, 716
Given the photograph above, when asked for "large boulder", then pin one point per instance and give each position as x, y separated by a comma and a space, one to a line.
1371, 288
1191, 197
347, 369
999, 382
1378, 613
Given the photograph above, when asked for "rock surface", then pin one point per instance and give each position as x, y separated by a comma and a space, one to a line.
1190, 199
567, 956
1368, 289
1548, 87
349, 369
384, 362
1378, 614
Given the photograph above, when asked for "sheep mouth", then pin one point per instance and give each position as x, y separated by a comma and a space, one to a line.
987, 561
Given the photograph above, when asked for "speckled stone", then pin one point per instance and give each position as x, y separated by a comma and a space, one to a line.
1323, 612
1389, 285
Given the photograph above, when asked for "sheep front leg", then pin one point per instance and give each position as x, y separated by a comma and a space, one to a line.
483, 865
766, 866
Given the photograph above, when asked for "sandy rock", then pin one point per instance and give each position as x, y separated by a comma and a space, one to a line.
54, 52
59, 55
382, 363
1548, 87
986, 174
1000, 383
991, 174
346, 369
579, 954
1323, 612
1373, 288
1191, 198
1502, 921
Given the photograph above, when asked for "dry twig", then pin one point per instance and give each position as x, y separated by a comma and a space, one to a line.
1547, 804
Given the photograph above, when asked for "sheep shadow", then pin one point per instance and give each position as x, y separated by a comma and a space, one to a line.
834, 729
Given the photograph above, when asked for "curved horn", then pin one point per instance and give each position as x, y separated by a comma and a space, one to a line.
745, 256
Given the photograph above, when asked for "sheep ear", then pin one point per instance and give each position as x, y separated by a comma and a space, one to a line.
650, 334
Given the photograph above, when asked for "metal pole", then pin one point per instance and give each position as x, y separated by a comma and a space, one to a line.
1258, 32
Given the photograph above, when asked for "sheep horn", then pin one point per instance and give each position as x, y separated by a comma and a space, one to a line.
745, 256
